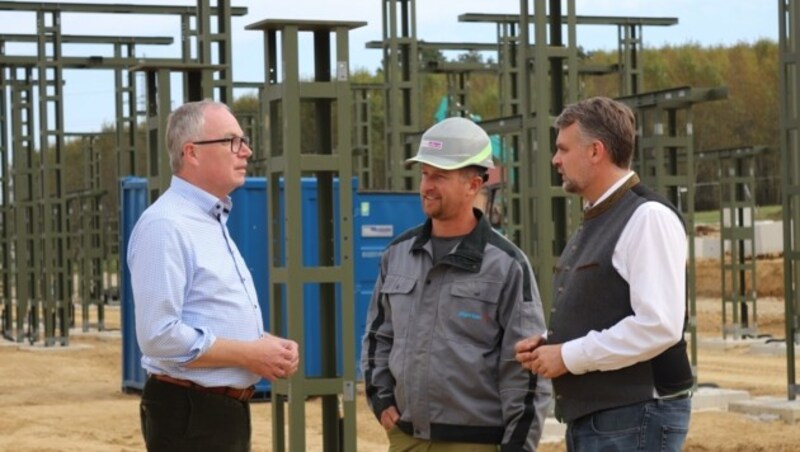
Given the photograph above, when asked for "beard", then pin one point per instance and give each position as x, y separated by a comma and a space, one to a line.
432, 207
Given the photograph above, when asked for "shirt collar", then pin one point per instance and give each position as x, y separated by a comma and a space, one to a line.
217, 208
588, 205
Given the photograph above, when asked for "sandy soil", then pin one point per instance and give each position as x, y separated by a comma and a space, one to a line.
69, 398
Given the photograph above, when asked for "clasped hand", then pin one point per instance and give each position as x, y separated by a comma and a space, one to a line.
541, 359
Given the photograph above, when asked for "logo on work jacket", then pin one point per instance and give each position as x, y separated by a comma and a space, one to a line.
473, 315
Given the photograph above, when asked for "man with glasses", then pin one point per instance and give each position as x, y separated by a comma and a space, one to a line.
198, 320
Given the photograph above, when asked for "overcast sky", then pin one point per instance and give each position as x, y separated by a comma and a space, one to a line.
89, 94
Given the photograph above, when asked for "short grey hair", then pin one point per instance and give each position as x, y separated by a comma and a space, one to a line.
609, 121
186, 124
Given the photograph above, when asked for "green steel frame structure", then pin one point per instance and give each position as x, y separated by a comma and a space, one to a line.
665, 161
737, 188
362, 133
402, 91
327, 155
87, 244
34, 212
789, 76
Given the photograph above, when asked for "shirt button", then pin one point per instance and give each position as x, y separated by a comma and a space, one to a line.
549, 332
427, 281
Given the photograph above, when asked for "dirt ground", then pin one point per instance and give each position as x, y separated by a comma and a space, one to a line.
69, 398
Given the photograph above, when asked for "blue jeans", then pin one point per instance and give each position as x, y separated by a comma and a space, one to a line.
654, 425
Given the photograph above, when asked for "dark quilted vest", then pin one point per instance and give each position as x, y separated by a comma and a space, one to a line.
589, 295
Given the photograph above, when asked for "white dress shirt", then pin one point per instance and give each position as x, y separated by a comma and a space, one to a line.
651, 257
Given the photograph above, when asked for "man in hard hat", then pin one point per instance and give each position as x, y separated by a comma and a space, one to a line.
452, 298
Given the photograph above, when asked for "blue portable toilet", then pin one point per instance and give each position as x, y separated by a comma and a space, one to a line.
133, 201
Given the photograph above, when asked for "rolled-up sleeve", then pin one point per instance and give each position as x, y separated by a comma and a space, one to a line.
160, 266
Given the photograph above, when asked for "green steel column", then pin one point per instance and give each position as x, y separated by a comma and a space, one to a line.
510, 79
53, 278
402, 103
126, 136
789, 44
23, 200
216, 44
631, 71
362, 134
6, 228
546, 213
86, 234
326, 154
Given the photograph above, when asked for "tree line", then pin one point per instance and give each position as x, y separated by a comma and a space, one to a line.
748, 117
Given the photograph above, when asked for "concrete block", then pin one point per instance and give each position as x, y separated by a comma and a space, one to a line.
775, 348
718, 343
553, 431
705, 399
769, 408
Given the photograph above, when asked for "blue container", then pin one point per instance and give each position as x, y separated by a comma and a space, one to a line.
248, 227
133, 194
379, 217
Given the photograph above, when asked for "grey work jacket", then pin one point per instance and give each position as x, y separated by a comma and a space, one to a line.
439, 340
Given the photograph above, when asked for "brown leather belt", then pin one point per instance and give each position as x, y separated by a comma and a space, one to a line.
235, 393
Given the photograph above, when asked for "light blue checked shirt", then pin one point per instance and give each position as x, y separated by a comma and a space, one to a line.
190, 286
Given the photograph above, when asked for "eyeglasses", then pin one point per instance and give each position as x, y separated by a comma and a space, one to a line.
236, 143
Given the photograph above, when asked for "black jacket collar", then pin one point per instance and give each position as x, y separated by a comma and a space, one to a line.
468, 255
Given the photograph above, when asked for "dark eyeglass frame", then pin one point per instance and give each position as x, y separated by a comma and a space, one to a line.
244, 140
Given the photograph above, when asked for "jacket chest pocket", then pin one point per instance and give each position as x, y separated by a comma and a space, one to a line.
398, 291
469, 314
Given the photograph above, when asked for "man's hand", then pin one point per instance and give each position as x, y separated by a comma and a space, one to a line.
541, 359
524, 348
274, 357
546, 361
389, 418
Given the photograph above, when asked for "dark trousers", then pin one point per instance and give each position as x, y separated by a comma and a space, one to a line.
176, 419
